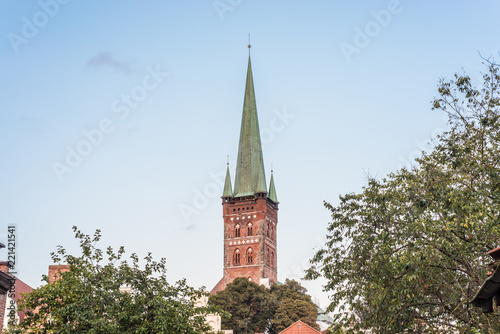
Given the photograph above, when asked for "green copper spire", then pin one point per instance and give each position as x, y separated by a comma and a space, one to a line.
228, 190
261, 183
250, 175
272, 190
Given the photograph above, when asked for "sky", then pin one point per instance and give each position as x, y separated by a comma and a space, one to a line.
120, 115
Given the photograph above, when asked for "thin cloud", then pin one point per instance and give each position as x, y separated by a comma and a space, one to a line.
31, 118
106, 59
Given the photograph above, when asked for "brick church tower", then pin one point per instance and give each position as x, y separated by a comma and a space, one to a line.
250, 212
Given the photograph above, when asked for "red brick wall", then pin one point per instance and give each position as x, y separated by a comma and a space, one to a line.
56, 270
263, 215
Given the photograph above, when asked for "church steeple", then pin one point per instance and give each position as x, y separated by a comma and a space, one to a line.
272, 190
228, 190
250, 213
250, 175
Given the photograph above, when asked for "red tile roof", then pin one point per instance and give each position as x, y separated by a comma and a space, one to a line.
21, 288
299, 328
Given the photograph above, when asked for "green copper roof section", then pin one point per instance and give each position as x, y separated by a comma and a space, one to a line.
250, 175
261, 183
272, 190
228, 189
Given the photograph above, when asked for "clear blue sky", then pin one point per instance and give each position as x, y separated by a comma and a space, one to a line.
343, 89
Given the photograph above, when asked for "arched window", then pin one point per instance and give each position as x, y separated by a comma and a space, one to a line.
268, 260
268, 230
272, 259
237, 231
249, 256
237, 256
250, 229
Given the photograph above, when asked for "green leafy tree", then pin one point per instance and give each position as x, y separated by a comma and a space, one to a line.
291, 310
293, 303
252, 308
248, 306
88, 299
290, 289
408, 253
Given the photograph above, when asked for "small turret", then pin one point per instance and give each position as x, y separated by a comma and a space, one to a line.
272, 189
228, 189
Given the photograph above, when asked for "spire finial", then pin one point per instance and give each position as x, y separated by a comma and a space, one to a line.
249, 45
271, 167
228, 159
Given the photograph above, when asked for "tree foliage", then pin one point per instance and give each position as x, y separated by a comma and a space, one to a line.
293, 303
291, 310
88, 299
408, 253
247, 304
252, 308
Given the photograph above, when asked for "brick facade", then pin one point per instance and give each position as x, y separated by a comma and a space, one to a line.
56, 270
249, 239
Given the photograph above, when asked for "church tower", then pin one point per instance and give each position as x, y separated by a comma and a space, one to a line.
250, 212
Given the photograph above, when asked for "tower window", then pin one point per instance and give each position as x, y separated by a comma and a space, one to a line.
237, 256
268, 260
272, 259
237, 231
250, 229
249, 256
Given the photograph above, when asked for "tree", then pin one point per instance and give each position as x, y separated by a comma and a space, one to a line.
408, 253
293, 303
253, 308
291, 310
88, 299
247, 304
